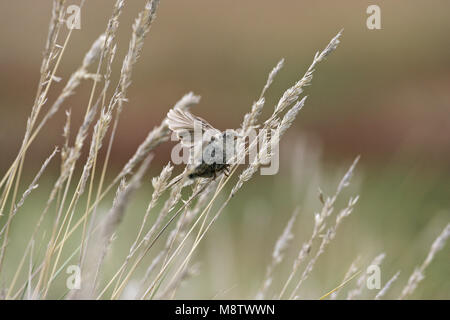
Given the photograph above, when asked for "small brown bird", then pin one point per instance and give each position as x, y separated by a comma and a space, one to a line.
217, 148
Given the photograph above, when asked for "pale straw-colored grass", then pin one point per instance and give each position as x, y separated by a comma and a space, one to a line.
181, 214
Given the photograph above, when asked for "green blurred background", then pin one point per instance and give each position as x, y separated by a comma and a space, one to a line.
384, 94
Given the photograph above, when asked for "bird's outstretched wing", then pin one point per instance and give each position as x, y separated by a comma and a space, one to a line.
184, 123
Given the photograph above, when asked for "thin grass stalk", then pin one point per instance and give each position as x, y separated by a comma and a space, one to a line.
326, 239
350, 272
108, 228
278, 254
18, 205
387, 286
419, 273
319, 226
290, 96
145, 251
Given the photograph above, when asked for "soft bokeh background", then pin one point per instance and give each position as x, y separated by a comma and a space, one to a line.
384, 94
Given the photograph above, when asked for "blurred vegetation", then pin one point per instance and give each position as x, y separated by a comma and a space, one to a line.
384, 94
